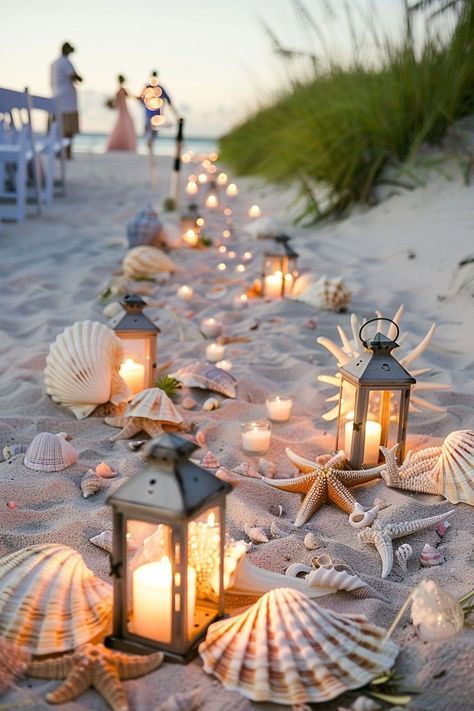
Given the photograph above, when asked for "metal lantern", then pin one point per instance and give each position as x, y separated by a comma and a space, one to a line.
279, 271
168, 553
138, 335
374, 401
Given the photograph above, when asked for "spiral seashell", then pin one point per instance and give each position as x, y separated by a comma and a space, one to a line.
105, 471
330, 578
430, 556
82, 368
50, 601
297, 570
246, 469
266, 468
207, 377
13, 450
212, 403
403, 554
360, 518
311, 542
200, 438
154, 404
266, 653
326, 293
50, 453
143, 262
105, 540
210, 461
91, 483
256, 534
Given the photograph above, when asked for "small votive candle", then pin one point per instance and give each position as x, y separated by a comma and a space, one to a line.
241, 301
212, 201
256, 436
255, 211
222, 178
185, 292
226, 233
240, 268
232, 189
222, 249
200, 222
191, 238
231, 254
215, 352
279, 407
221, 267
247, 256
211, 327
192, 188
224, 364
202, 178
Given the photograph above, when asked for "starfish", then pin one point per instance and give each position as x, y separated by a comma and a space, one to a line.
414, 474
92, 665
381, 535
132, 426
323, 483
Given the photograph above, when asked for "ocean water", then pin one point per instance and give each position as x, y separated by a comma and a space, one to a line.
164, 145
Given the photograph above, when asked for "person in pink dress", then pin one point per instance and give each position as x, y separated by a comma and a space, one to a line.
123, 136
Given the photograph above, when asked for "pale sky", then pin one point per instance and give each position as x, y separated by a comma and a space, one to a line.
213, 56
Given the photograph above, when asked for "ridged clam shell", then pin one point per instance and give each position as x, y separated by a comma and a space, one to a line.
329, 294
154, 404
50, 601
82, 368
266, 468
403, 555
145, 262
91, 483
453, 474
287, 649
50, 453
207, 377
430, 556
210, 461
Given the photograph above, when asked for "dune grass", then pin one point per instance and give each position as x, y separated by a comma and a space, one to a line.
336, 132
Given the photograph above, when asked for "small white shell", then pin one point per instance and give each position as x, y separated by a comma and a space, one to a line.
256, 534
311, 542
246, 469
105, 540
361, 519
91, 483
329, 294
50, 453
363, 703
112, 309
277, 531
212, 403
207, 377
145, 261
210, 461
13, 450
430, 556
403, 554
298, 569
266, 468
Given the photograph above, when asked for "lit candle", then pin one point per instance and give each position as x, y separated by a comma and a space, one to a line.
373, 434
241, 301
247, 256
226, 233
256, 437
224, 365
133, 374
279, 408
215, 352
222, 178
273, 285
212, 201
255, 211
222, 249
191, 238
192, 188
240, 268
228, 211
200, 222
232, 254
185, 292
232, 189
202, 178
211, 327
152, 598
221, 267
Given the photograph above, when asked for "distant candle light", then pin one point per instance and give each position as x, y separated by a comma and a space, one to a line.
226, 233
202, 178
240, 268
221, 267
255, 211
232, 190
228, 211
185, 292
212, 201
192, 188
222, 178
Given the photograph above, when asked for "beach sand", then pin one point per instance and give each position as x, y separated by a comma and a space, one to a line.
405, 250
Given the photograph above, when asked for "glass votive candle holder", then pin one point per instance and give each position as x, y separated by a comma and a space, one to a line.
256, 436
215, 352
185, 292
279, 407
211, 327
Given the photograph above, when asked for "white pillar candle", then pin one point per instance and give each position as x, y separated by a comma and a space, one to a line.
134, 375
373, 434
273, 285
279, 408
215, 352
211, 327
185, 292
256, 437
191, 238
152, 609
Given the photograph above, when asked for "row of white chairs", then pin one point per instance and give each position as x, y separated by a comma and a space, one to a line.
32, 165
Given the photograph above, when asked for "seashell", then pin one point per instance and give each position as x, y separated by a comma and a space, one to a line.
91, 483
332, 580
364, 703
188, 403
200, 438
296, 570
453, 474
323, 560
435, 614
13, 450
246, 469
210, 461
113, 309
266, 468
442, 527
211, 403
104, 540
276, 510
267, 654
360, 518
403, 554
105, 471
381, 504
188, 701
311, 542
226, 475
50, 453
207, 377
310, 324
430, 556
82, 368
50, 601
277, 531
154, 404
145, 261
325, 293
256, 534
11, 505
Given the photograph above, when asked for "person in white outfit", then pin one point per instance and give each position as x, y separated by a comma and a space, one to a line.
63, 78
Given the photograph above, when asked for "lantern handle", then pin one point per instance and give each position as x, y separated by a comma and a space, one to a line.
373, 320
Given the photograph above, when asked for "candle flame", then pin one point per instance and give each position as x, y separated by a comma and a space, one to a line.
211, 519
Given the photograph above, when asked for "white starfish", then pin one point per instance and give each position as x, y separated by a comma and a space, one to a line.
381, 535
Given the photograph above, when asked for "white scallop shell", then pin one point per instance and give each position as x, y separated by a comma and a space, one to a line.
453, 474
329, 294
145, 262
50, 453
403, 554
430, 556
82, 368
154, 404
287, 649
207, 377
50, 601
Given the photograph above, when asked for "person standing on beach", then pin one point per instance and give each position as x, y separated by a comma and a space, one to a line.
63, 78
154, 97
123, 136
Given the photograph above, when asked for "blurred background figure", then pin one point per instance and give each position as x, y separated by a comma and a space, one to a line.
154, 97
63, 78
123, 136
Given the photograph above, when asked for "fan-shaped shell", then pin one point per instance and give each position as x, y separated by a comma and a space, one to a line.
154, 404
329, 294
50, 453
82, 368
453, 474
144, 262
207, 377
50, 601
287, 649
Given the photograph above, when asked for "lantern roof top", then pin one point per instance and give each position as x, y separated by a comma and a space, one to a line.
282, 247
133, 319
170, 485
378, 366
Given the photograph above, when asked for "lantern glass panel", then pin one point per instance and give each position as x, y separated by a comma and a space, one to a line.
204, 557
384, 409
150, 594
346, 415
139, 374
